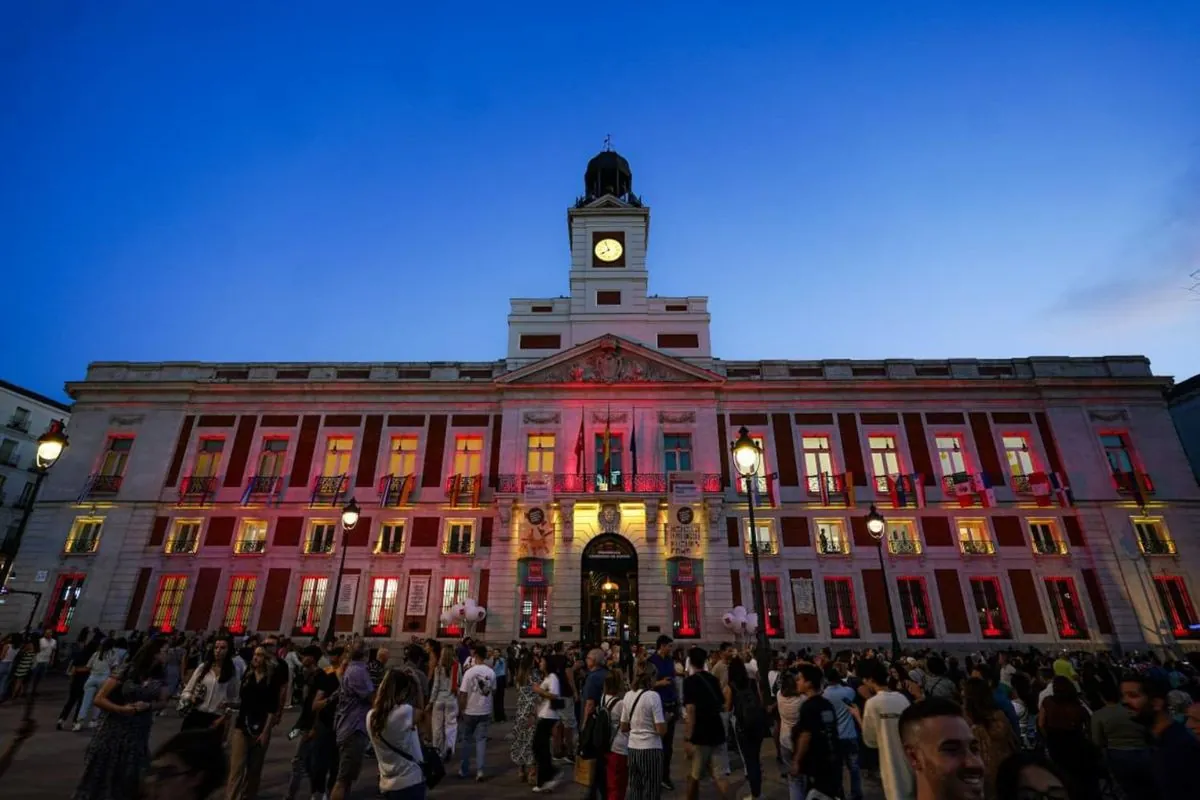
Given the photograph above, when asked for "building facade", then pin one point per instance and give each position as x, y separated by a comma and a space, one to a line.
1183, 399
581, 487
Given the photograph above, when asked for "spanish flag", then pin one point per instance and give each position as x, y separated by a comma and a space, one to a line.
607, 446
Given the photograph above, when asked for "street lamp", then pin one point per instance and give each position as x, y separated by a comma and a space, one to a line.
50, 447
350, 516
876, 525
748, 459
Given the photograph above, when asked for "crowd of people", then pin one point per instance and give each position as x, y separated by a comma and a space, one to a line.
921, 726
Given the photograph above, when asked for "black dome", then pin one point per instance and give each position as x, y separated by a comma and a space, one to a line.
607, 173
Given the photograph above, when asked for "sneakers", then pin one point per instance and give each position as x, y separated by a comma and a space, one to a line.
547, 787
77, 727
479, 776
667, 784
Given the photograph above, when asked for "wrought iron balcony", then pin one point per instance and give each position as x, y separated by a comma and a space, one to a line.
904, 489
612, 482
101, 486
182, 544
1156, 547
19, 423
976, 547
1133, 484
764, 548
263, 488
835, 547
320, 544
197, 488
1048, 547
391, 546
396, 490
464, 490
83, 545
904, 547
250, 547
1020, 484
328, 490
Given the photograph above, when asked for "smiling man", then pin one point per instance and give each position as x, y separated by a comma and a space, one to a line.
942, 751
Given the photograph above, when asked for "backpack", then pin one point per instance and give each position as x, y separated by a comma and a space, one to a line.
602, 731
749, 714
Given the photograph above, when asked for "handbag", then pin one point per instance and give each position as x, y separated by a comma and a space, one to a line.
431, 762
188, 701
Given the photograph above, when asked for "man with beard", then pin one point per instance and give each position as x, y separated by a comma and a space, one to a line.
1176, 752
942, 751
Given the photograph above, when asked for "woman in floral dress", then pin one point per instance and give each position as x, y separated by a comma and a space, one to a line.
521, 751
119, 753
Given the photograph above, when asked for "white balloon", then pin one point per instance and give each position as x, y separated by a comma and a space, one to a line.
739, 613
727, 620
471, 603
751, 629
752, 619
480, 613
460, 610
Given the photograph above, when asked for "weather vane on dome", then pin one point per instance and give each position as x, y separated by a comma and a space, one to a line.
607, 142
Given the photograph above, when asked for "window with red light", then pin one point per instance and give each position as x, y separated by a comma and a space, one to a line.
685, 612
240, 602
310, 604
534, 601
63, 602
1181, 614
381, 612
839, 599
989, 608
454, 591
914, 605
773, 602
1068, 616
168, 602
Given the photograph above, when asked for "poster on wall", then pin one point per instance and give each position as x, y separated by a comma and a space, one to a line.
537, 534
683, 531
347, 593
802, 596
538, 489
418, 595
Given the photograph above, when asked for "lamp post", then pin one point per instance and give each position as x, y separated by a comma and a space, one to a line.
50, 447
876, 525
747, 458
350, 516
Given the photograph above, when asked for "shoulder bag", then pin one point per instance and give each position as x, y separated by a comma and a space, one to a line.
431, 762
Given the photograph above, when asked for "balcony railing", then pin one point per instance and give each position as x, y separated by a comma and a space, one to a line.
319, 545
464, 490
391, 546
101, 486
1021, 485
83, 545
1133, 483
764, 548
328, 490
19, 423
396, 490
830, 486
904, 547
834, 547
904, 490
977, 547
613, 482
1048, 547
263, 488
182, 544
250, 547
197, 488
1156, 547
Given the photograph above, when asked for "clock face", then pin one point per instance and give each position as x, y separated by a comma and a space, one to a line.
608, 249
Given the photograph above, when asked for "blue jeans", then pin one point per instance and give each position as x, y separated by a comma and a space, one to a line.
848, 750
795, 783
93, 684
473, 727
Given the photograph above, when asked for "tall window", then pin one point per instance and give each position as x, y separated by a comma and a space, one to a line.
914, 605
169, 602
1117, 451
973, 538
320, 537
541, 453
468, 455
402, 456
677, 452
310, 603
391, 538
989, 608
338, 450
1153, 538
839, 599
773, 605
818, 460
208, 458
84, 536
609, 473
1181, 614
116, 454
185, 536
533, 612
950, 454
685, 612
240, 602
459, 539
761, 536
20, 419
252, 537
8, 452
1043, 534
1068, 615
831, 537
63, 602
1018, 455
382, 610
885, 459
454, 591
902, 538
271, 460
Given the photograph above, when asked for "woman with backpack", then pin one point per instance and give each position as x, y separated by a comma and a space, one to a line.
616, 761
212, 689
750, 723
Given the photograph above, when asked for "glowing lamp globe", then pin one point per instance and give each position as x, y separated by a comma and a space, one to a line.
747, 456
350, 514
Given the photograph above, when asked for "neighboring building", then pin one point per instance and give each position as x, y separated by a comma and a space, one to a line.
1035, 501
24, 416
1183, 400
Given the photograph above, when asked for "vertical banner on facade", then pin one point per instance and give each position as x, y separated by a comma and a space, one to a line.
802, 596
537, 532
683, 528
418, 595
347, 593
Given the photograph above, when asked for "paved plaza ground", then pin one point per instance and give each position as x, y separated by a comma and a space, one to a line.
49, 764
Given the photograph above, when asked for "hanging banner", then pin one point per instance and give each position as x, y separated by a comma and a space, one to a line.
685, 488
685, 572
537, 533
539, 489
418, 595
802, 596
347, 593
535, 572
683, 531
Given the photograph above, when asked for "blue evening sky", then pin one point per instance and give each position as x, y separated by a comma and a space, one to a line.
355, 181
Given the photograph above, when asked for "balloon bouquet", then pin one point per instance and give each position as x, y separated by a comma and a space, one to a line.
464, 616
740, 623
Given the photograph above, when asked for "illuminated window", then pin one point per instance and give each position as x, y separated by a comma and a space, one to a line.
989, 608
208, 458
251, 538
310, 604
541, 453
320, 537
1153, 538
1068, 615
382, 610
116, 454
831, 537
84, 536
761, 536
914, 606
818, 461
1118, 453
1043, 534
271, 460
184, 537
973, 538
1181, 614
63, 602
950, 455
338, 450
459, 539
169, 602
839, 599
454, 591
533, 612
677, 452
468, 455
391, 538
902, 538
685, 612
402, 457
240, 602
1018, 455
885, 459
773, 602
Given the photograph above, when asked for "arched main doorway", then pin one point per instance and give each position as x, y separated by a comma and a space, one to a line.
609, 601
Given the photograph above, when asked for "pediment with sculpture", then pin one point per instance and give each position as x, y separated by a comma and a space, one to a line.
610, 360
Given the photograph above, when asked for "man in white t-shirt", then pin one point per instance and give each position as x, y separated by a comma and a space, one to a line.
881, 730
475, 691
47, 647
